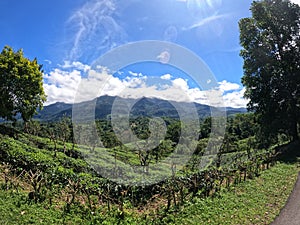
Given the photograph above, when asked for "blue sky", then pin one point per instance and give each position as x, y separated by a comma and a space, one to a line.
67, 36
47, 29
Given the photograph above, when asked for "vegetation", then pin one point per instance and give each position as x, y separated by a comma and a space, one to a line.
45, 178
271, 52
60, 172
21, 85
256, 201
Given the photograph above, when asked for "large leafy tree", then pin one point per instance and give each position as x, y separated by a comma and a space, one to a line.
21, 85
271, 53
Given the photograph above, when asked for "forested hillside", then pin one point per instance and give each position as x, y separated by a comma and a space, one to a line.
150, 107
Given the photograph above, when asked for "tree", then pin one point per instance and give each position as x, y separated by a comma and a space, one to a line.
64, 130
21, 85
271, 53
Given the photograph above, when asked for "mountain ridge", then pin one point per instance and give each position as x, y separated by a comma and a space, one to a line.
145, 106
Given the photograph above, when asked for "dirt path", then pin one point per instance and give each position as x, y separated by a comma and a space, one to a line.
290, 214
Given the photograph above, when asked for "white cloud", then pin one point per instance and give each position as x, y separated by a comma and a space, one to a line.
296, 1
235, 99
135, 82
98, 83
205, 21
48, 61
75, 65
164, 57
135, 74
61, 86
70, 87
227, 86
180, 83
93, 29
166, 77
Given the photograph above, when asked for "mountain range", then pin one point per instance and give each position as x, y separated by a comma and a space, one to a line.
101, 108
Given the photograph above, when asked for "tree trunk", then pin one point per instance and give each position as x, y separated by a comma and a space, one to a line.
294, 131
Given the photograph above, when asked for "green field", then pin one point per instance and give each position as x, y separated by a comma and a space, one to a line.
46, 181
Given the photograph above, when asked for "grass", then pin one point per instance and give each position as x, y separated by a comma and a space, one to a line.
256, 201
15, 210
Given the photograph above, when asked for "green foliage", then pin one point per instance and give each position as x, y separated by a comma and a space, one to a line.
254, 202
107, 135
271, 53
64, 181
21, 85
22, 155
